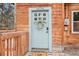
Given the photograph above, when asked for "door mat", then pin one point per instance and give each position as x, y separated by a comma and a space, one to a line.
39, 53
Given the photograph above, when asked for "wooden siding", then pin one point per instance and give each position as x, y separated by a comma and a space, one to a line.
69, 37
22, 20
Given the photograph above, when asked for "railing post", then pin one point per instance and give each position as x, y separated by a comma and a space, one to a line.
19, 45
0, 45
16, 45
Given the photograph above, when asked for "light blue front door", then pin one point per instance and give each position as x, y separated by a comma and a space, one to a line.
40, 29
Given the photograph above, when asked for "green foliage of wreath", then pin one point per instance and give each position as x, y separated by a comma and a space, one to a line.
40, 25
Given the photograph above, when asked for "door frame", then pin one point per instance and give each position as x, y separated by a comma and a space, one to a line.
50, 26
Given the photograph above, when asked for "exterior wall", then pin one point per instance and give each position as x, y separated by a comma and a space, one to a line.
57, 13
58, 24
71, 38
22, 22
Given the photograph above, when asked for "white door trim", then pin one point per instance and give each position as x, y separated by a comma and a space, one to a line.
50, 26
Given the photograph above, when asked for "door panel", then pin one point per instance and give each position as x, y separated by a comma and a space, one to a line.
40, 29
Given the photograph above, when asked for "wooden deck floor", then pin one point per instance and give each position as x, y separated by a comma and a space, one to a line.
72, 50
69, 50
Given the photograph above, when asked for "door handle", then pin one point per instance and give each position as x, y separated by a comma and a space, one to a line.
47, 28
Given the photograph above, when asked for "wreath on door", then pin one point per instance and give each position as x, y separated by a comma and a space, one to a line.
40, 25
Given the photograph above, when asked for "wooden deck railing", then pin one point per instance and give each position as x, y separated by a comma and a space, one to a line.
13, 43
